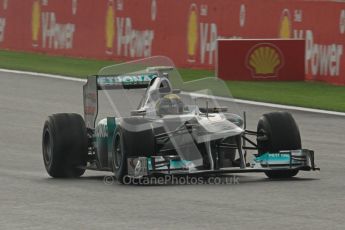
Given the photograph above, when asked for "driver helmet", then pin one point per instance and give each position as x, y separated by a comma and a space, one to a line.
169, 104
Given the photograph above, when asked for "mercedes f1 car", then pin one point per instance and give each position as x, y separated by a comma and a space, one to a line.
175, 128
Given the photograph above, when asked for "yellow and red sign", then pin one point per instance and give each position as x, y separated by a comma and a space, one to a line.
35, 22
192, 34
253, 59
264, 60
110, 27
186, 31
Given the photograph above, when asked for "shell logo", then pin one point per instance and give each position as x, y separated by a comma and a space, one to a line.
35, 22
264, 60
192, 33
110, 27
285, 25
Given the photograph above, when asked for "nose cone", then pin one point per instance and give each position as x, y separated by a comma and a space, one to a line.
216, 127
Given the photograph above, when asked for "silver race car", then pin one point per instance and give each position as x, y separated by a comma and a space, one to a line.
152, 123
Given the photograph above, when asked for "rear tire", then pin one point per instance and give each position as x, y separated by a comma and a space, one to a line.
64, 145
282, 133
119, 154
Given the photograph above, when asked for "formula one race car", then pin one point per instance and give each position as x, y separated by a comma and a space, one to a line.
171, 128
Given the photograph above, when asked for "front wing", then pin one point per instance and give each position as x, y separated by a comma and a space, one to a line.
284, 160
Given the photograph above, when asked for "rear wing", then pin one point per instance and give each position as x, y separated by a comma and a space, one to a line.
109, 82
128, 81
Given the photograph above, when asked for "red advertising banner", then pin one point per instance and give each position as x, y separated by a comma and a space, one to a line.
261, 59
186, 31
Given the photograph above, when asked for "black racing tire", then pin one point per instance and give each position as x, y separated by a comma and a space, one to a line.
281, 174
138, 143
64, 145
282, 133
119, 155
227, 156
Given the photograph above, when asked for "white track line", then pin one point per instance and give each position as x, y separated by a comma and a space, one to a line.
290, 107
271, 105
55, 76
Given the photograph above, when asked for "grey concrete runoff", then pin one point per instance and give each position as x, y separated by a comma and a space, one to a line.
30, 199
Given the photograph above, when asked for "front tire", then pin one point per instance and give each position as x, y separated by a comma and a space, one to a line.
227, 156
64, 145
281, 133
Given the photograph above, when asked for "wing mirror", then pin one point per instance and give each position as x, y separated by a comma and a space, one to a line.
176, 91
140, 112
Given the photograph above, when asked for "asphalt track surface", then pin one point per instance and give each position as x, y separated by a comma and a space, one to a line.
30, 199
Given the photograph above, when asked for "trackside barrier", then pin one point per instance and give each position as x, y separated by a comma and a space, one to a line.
187, 32
259, 59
